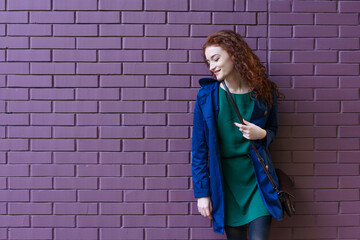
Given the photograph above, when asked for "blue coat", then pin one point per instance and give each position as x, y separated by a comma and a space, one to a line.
206, 167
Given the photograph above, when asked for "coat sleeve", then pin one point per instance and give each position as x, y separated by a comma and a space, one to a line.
271, 125
200, 172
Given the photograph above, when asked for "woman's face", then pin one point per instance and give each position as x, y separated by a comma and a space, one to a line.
220, 62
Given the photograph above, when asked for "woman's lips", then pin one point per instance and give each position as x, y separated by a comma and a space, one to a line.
216, 72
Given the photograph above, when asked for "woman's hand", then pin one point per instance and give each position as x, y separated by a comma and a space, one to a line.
251, 131
205, 207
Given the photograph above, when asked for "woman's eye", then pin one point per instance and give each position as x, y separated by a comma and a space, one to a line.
217, 59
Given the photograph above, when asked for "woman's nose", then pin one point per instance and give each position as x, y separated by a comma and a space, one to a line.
212, 67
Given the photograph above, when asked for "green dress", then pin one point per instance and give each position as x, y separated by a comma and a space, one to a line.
243, 202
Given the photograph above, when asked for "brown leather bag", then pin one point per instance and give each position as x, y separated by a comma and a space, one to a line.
286, 184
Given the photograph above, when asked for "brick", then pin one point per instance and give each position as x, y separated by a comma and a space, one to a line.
166, 208
143, 171
98, 170
120, 5
180, 119
143, 94
52, 119
171, 233
179, 170
348, 6
205, 30
53, 221
348, 157
121, 158
352, 106
348, 232
29, 132
165, 55
349, 207
337, 144
345, 43
164, 157
51, 17
202, 5
74, 55
75, 157
336, 169
347, 131
234, 18
52, 68
188, 221
349, 57
13, 94
29, 30
301, 131
181, 195
280, 31
121, 208
303, 6
336, 18
315, 31
338, 220
29, 157
349, 181
75, 132
186, 43
314, 157
121, 183
14, 68
13, 17
14, 42
336, 119
28, 233
291, 44
146, 221
188, 68
98, 17
74, 5
121, 30
190, 17
337, 94
349, 31
52, 144
98, 221
175, 5
144, 43
291, 69
280, 6
52, 42
77, 183
166, 132
298, 94
280, 56
291, 18
122, 81
13, 196
318, 233
145, 145
75, 81
166, 30
292, 144
92, 145
121, 132
99, 196
97, 94
29, 182
98, 119
257, 5
318, 56
145, 68
75, 208
121, 107
167, 81
14, 144
29, 5
28, 55
43, 170
75, 106
14, 170
323, 106
208, 233
315, 81
321, 208
98, 68
122, 233
119, 55
76, 233
143, 17
166, 183
14, 221
144, 119
51, 94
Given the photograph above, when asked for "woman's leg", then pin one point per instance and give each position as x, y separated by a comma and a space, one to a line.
259, 229
236, 233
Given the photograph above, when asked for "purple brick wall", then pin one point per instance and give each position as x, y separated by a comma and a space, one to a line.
96, 104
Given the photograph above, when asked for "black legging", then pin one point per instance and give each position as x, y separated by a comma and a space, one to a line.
259, 229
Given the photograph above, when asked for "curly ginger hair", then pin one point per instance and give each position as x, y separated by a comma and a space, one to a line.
246, 63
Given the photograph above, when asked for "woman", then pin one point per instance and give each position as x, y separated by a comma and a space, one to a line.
229, 183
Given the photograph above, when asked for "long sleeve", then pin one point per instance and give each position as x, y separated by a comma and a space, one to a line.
200, 172
271, 125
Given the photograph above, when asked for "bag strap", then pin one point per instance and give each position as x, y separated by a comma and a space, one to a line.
261, 160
